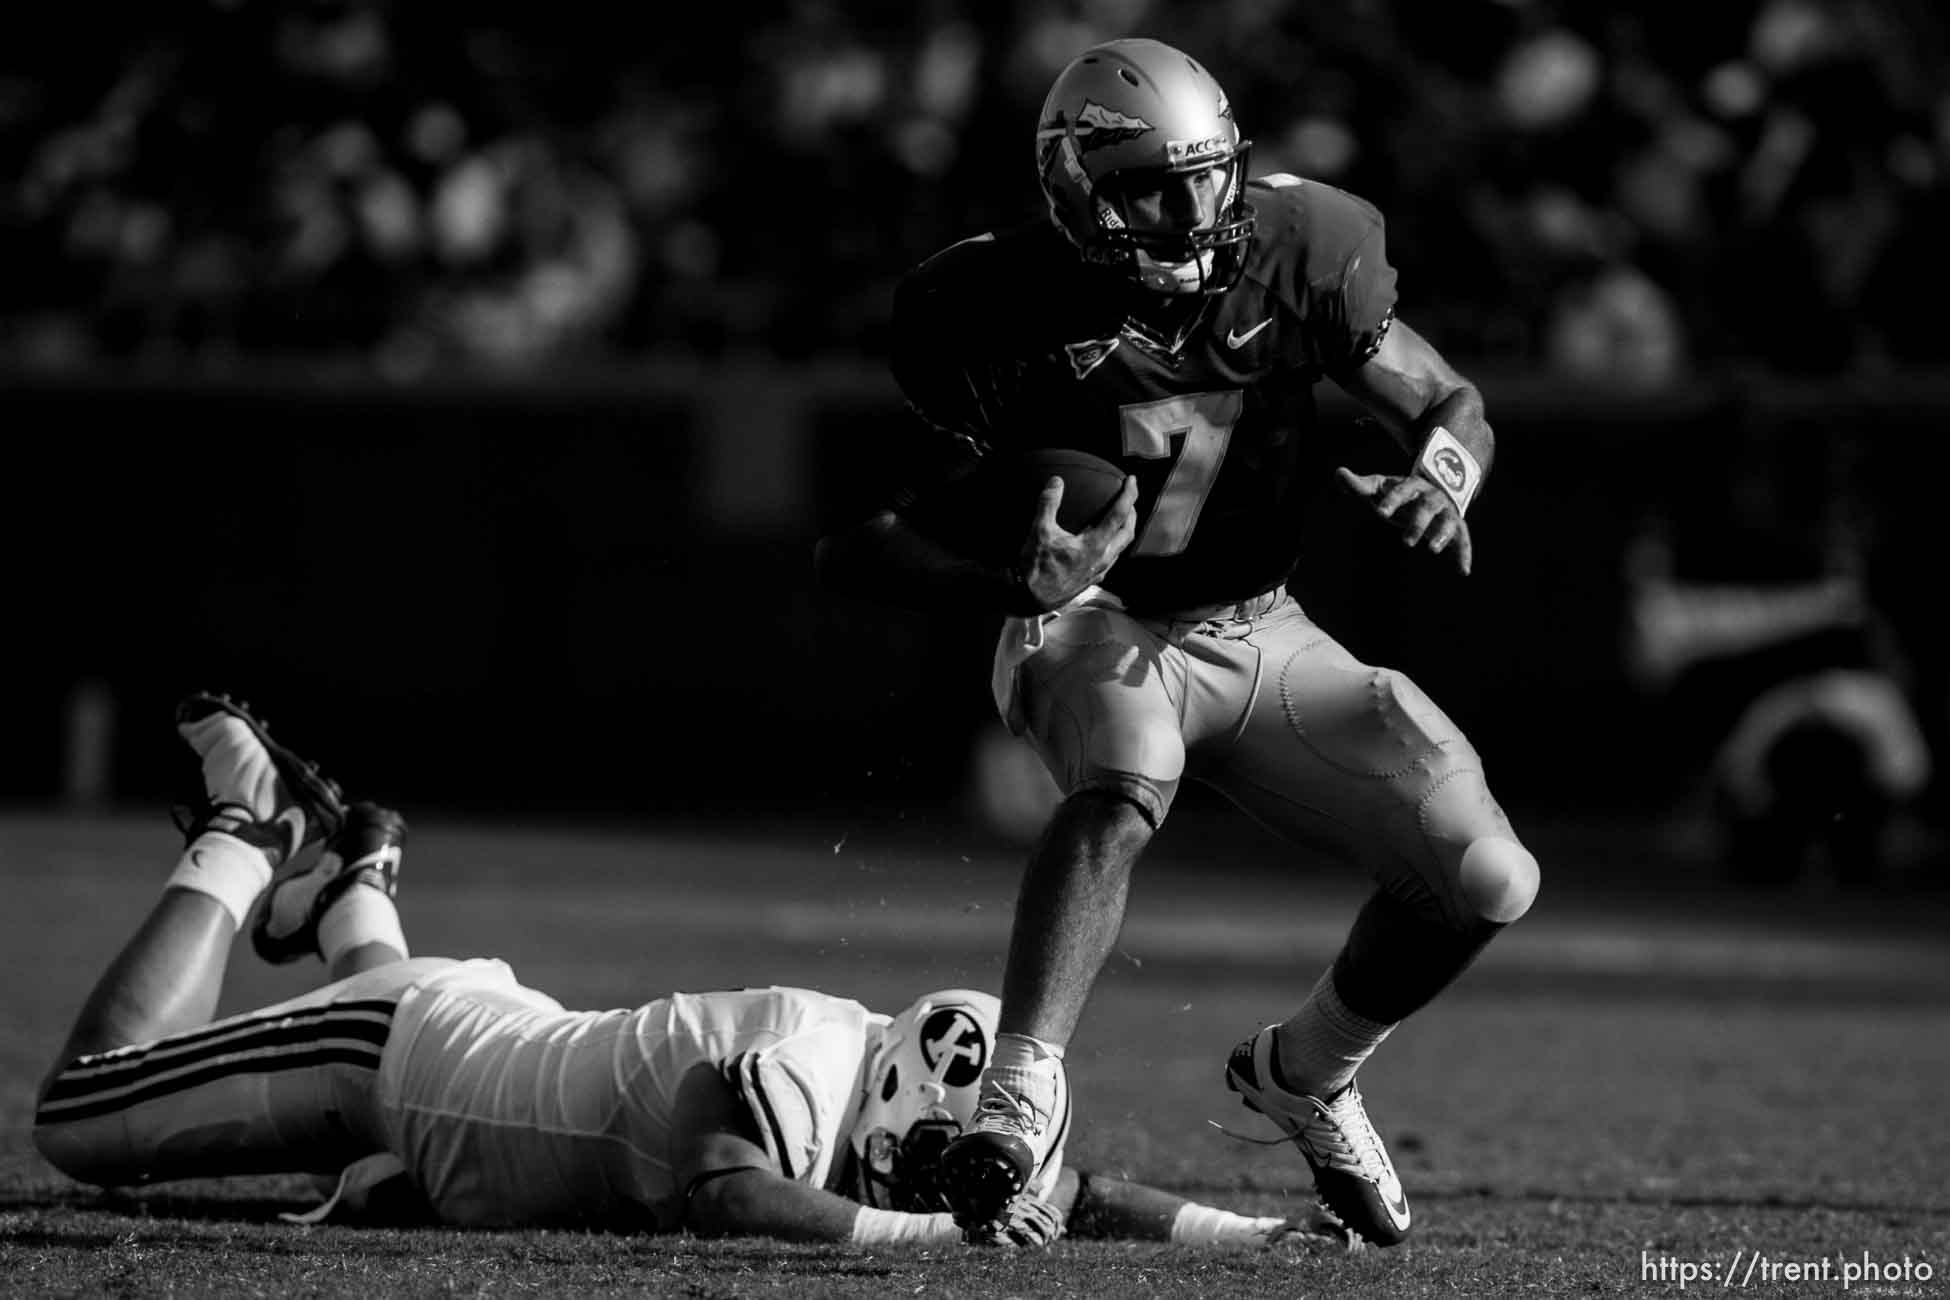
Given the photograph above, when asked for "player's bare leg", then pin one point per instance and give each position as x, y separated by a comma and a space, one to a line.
1394, 962
260, 804
166, 978
1069, 912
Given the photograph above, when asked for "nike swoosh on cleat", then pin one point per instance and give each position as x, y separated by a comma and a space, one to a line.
1234, 339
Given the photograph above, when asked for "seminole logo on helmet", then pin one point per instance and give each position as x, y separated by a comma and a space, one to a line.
1098, 127
954, 1047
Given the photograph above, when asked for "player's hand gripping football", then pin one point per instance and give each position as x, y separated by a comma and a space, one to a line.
1057, 564
1027, 1220
1418, 509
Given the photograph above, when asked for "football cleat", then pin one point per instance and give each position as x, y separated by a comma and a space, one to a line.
981, 1173
366, 851
987, 1167
1352, 1172
252, 787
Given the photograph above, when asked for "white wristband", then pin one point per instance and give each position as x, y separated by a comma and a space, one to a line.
873, 1227
1446, 463
1205, 1225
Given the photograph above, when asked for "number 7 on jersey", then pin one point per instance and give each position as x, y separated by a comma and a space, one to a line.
1203, 421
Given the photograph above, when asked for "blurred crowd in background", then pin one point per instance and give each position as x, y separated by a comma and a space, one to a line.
1614, 192
1677, 204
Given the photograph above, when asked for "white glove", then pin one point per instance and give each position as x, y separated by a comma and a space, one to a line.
1025, 1221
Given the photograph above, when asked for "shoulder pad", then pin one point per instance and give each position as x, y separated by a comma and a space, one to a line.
784, 1109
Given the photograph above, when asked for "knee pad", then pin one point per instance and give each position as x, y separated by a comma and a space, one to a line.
1138, 759
1499, 878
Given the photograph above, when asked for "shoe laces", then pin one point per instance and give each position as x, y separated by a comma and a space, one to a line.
1336, 1133
1341, 1136
1004, 1109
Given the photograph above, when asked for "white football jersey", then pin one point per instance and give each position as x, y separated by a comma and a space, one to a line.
508, 1109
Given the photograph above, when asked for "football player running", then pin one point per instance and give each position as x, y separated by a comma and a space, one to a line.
1173, 316
438, 1090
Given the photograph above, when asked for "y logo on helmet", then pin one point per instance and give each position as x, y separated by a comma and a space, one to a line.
1097, 127
954, 1047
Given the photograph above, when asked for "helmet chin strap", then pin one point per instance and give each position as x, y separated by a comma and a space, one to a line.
1174, 277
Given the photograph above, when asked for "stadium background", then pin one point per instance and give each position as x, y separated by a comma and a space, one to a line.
469, 387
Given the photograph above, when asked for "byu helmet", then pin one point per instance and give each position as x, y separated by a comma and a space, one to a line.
921, 1086
1123, 117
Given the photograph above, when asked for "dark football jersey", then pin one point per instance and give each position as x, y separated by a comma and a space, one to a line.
1009, 342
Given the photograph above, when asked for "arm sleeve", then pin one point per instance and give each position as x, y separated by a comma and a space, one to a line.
1332, 251
1355, 299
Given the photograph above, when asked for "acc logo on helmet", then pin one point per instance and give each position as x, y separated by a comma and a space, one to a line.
1183, 151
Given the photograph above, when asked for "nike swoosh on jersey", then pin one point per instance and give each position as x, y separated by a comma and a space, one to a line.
1234, 339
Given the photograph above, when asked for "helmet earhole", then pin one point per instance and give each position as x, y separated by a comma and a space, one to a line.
892, 1084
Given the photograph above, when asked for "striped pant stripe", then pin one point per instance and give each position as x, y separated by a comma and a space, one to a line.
350, 1033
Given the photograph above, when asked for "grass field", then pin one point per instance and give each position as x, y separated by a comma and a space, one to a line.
1646, 1072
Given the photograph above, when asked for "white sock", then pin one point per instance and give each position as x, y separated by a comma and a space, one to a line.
1021, 1049
361, 915
1321, 1045
227, 869
1030, 1069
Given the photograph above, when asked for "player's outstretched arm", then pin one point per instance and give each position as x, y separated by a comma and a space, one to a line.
756, 1201
734, 1188
1103, 1208
1437, 415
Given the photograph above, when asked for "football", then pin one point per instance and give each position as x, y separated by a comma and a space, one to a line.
987, 514
1090, 484
998, 502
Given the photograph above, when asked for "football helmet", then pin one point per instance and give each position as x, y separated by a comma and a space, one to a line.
1123, 118
921, 1084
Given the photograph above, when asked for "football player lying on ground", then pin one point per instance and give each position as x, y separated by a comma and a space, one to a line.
444, 1091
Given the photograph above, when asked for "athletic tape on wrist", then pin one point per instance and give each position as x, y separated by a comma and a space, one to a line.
1446, 463
873, 1227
